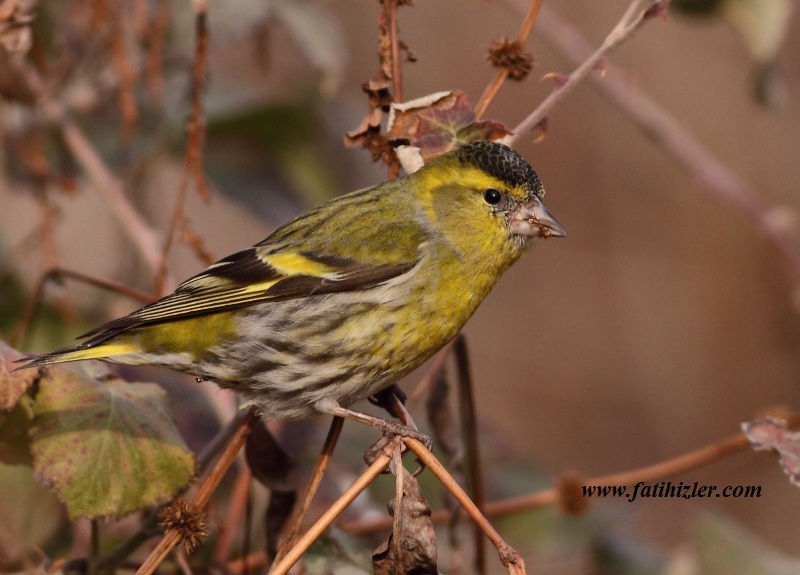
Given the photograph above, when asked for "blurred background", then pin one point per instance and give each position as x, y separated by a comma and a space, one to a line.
657, 326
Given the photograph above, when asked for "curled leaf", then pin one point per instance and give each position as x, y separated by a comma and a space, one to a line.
411, 547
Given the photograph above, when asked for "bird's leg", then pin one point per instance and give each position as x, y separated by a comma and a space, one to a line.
393, 400
331, 407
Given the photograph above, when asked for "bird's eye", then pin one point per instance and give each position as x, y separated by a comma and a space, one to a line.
492, 196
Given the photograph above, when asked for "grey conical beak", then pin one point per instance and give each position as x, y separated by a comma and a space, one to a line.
533, 219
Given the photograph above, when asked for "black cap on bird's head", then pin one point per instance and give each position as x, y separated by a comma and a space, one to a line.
528, 217
501, 162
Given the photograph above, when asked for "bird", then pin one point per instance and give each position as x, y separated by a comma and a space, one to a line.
345, 299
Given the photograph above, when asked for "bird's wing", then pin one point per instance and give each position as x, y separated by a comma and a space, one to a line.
252, 276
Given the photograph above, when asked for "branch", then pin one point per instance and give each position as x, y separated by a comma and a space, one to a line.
502, 74
649, 473
111, 190
628, 24
718, 180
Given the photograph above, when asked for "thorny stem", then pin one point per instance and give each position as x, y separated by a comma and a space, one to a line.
494, 86
621, 32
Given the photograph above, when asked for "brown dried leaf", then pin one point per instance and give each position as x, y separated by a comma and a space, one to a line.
439, 123
368, 133
15, 32
272, 467
13, 384
16, 411
411, 547
772, 433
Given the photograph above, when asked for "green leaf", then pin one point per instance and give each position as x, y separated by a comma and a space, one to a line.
106, 448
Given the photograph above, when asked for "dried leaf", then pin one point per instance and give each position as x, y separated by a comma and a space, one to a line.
439, 123
106, 448
772, 433
13, 383
368, 134
15, 32
411, 547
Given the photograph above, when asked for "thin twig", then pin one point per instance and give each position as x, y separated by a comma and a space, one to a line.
368, 476
35, 300
193, 159
469, 426
508, 556
94, 551
237, 503
621, 32
650, 473
494, 86
397, 469
313, 485
140, 233
203, 495
718, 179
397, 70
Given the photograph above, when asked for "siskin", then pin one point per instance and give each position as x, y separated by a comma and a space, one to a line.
347, 298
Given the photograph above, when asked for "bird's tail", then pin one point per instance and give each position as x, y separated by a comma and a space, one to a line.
77, 353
